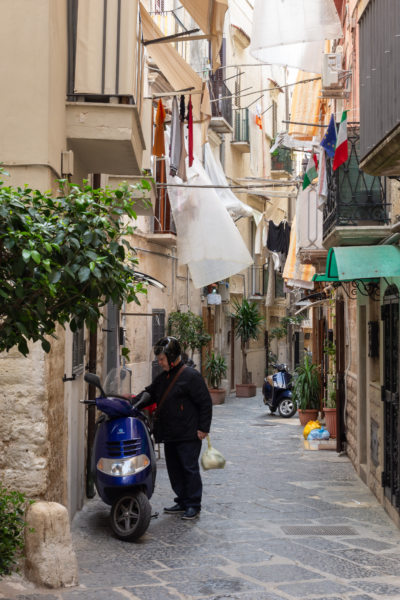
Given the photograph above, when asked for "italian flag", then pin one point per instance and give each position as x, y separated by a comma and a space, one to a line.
341, 152
311, 171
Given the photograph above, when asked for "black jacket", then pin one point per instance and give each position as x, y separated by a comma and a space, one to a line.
186, 409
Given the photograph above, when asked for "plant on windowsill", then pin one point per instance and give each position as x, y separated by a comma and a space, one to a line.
306, 391
215, 370
247, 327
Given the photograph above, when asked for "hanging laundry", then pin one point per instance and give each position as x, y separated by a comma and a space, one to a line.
278, 237
205, 113
182, 162
175, 144
159, 145
182, 109
190, 131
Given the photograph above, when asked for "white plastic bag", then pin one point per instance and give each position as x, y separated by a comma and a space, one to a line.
212, 458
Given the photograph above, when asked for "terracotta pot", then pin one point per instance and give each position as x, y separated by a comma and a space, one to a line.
246, 390
330, 421
217, 395
309, 414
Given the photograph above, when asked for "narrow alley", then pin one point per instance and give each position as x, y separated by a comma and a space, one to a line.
278, 523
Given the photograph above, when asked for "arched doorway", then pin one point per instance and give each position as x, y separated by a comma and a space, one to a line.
390, 395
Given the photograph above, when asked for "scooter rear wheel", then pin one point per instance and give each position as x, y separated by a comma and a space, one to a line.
130, 516
287, 408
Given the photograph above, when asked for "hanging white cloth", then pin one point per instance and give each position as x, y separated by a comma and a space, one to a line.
292, 32
208, 240
215, 172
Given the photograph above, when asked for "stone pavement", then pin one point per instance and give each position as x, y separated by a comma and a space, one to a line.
278, 523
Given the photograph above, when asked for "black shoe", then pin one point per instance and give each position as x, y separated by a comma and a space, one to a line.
191, 513
176, 508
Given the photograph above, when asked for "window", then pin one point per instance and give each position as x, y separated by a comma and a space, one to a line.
78, 351
279, 287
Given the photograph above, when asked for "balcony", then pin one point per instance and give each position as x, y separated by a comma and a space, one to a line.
379, 80
221, 106
107, 138
105, 87
241, 134
281, 160
356, 211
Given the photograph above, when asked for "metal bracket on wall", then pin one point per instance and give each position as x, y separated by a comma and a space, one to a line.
72, 378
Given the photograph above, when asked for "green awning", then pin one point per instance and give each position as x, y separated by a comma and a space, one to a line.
349, 263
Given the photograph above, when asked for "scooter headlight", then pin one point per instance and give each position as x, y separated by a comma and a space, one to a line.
123, 467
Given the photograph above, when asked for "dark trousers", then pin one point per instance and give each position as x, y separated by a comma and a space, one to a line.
182, 459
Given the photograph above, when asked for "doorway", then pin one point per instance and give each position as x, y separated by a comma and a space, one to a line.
390, 395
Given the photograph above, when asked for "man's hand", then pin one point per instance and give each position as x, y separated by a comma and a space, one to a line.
201, 435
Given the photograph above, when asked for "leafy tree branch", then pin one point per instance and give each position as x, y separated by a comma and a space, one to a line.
62, 258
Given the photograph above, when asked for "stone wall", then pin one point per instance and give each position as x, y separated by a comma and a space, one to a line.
351, 416
33, 432
24, 446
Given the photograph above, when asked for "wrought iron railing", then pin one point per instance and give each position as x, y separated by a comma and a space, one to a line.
241, 127
221, 99
354, 198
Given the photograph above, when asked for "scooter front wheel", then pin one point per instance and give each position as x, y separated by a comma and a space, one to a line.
130, 516
287, 408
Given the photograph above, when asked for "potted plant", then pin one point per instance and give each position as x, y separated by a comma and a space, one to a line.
247, 327
330, 400
188, 328
215, 370
306, 391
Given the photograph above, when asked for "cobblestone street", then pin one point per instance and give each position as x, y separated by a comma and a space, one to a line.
278, 523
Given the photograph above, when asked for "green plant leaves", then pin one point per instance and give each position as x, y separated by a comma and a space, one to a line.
61, 257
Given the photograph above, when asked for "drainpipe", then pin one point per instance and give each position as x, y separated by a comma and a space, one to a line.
90, 491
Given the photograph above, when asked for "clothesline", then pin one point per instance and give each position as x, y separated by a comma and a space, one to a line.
270, 89
213, 186
189, 90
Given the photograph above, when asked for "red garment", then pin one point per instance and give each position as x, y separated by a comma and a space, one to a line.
190, 131
159, 146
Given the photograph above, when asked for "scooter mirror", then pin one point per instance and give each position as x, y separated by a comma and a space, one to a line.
94, 379
144, 398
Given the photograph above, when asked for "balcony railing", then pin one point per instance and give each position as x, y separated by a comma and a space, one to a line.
221, 99
98, 70
241, 128
379, 72
354, 198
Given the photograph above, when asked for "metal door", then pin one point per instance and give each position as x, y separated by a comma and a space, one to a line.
390, 395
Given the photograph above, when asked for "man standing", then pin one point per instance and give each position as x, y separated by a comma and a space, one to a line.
182, 421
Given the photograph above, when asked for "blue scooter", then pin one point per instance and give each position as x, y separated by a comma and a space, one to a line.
277, 392
123, 462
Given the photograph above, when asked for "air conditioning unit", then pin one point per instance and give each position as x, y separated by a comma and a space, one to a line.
331, 68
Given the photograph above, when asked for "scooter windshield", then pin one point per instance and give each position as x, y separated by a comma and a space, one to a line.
118, 382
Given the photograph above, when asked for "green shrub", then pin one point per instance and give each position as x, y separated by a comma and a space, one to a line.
12, 526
